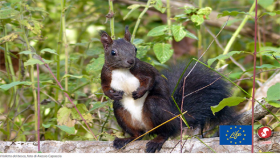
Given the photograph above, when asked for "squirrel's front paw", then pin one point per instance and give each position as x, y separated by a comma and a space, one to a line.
137, 95
116, 95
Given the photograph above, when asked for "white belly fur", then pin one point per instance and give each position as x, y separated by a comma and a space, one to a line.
123, 80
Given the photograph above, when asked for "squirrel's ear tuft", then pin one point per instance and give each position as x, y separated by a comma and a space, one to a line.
105, 39
127, 35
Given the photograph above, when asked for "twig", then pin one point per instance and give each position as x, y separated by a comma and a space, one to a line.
31, 66
58, 51
38, 108
110, 16
220, 45
276, 59
139, 19
202, 87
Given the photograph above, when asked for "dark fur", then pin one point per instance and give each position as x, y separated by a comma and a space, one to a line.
198, 102
158, 106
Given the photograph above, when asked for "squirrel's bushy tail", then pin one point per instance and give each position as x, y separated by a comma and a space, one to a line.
203, 88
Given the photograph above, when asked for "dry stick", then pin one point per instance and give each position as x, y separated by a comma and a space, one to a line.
175, 146
66, 95
38, 108
220, 45
231, 58
254, 76
276, 59
203, 87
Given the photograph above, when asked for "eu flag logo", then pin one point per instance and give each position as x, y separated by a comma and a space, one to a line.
235, 135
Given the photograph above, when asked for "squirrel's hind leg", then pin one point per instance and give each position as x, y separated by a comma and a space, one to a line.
155, 144
159, 110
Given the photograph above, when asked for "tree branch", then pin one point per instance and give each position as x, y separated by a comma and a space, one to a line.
192, 145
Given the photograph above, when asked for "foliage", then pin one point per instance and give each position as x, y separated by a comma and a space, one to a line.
36, 29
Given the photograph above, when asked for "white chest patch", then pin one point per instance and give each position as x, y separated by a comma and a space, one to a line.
123, 80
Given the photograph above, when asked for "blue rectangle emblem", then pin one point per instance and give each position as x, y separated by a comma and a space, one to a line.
235, 135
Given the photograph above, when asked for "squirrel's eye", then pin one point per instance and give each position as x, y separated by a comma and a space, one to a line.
113, 53
135, 49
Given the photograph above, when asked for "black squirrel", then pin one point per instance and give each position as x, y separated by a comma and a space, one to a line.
142, 97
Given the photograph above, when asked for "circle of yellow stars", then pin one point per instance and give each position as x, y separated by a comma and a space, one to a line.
237, 131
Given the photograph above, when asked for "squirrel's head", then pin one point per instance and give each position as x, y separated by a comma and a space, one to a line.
119, 53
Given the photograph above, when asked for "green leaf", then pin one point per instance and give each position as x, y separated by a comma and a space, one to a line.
265, 3
142, 51
233, 13
97, 105
36, 61
10, 85
49, 135
75, 56
95, 40
231, 101
3, 131
223, 57
163, 51
198, 19
159, 6
178, 32
270, 50
158, 31
38, 9
264, 66
274, 103
137, 41
26, 52
189, 10
96, 64
69, 130
33, 25
84, 111
205, 11
68, 75
8, 13
94, 51
273, 93
132, 7
190, 35
63, 117
48, 50
46, 125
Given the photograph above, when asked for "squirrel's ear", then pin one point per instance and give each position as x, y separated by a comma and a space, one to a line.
105, 39
127, 35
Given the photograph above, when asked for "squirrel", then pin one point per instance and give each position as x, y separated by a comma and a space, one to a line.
142, 96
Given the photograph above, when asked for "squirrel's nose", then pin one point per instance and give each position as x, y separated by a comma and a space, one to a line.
130, 61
